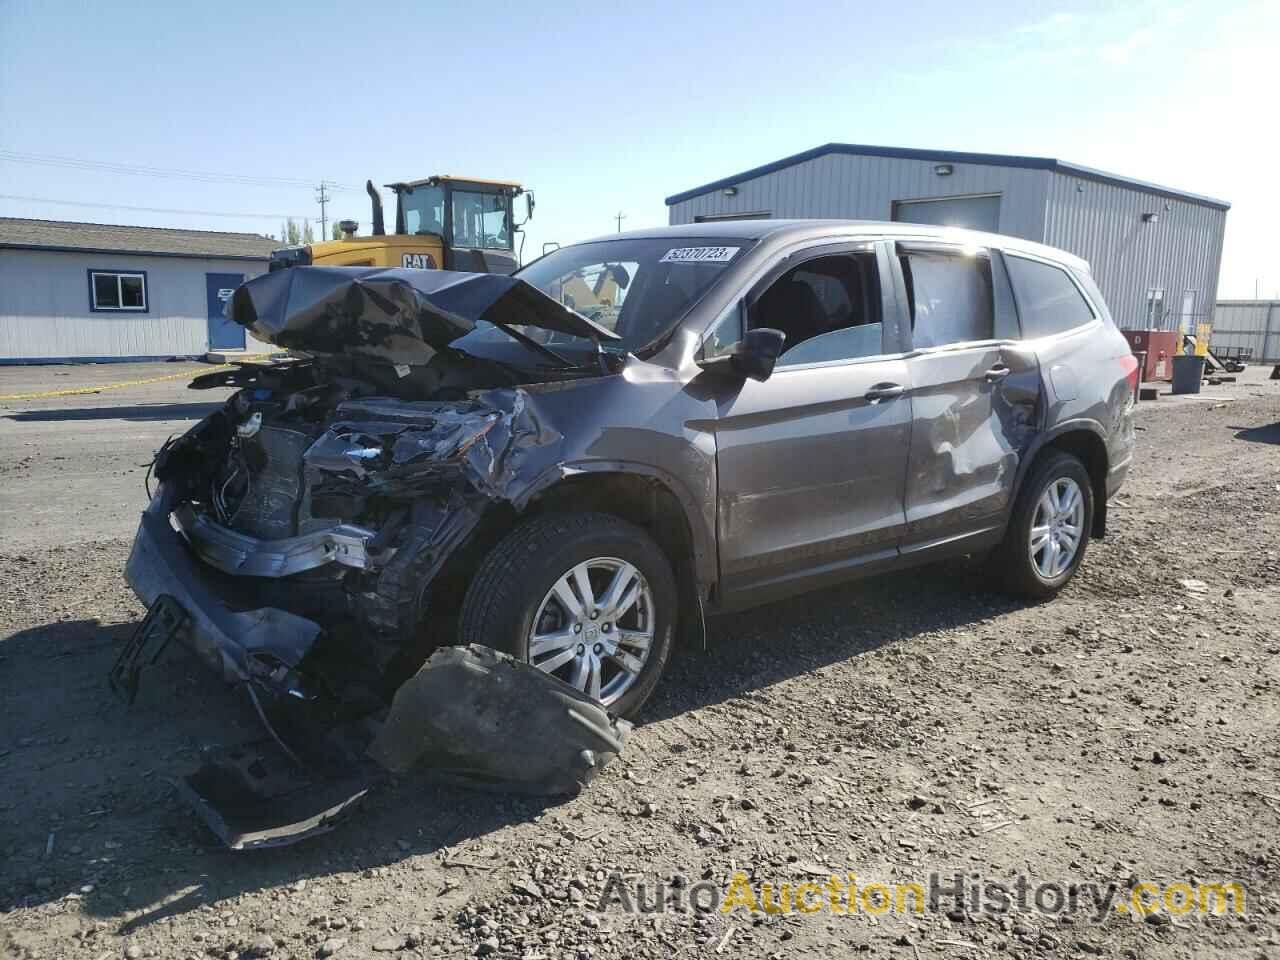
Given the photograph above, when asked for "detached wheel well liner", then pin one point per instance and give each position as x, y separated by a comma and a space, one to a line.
1084, 441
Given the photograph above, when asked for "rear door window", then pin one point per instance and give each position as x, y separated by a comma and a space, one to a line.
949, 297
1049, 302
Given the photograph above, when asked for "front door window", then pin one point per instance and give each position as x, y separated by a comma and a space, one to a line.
828, 307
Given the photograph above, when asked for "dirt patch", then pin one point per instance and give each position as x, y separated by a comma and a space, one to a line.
1124, 732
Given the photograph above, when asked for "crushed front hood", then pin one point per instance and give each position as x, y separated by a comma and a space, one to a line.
392, 314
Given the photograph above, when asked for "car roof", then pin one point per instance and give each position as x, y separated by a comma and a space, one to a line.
784, 231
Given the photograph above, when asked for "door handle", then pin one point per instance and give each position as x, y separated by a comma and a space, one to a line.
998, 372
884, 391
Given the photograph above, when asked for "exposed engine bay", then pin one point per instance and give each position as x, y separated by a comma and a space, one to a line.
326, 499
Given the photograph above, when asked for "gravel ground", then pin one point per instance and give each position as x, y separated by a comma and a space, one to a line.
1124, 732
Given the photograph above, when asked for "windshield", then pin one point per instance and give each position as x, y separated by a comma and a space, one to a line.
423, 210
638, 288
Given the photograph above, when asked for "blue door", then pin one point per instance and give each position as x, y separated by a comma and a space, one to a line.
224, 334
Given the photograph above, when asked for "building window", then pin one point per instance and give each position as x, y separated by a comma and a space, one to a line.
1155, 309
109, 290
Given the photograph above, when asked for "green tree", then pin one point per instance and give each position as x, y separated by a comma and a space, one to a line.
293, 234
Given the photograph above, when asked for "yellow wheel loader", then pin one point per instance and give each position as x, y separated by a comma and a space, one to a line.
442, 222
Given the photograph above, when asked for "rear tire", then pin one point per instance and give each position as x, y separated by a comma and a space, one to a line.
1048, 529
537, 573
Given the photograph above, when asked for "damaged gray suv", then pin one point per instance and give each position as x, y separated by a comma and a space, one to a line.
574, 463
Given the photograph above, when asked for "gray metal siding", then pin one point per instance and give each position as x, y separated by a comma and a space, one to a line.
1248, 323
1103, 224
44, 306
864, 188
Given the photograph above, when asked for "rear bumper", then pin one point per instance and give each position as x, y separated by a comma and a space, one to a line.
263, 644
1117, 475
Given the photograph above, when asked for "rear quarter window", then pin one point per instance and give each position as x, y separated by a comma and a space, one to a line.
1048, 299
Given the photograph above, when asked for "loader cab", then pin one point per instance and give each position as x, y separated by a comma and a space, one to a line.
474, 220
449, 223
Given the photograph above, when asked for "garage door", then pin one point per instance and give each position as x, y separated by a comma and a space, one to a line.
976, 213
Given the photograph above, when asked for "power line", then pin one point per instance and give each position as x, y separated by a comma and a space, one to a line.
118, 206
176, 173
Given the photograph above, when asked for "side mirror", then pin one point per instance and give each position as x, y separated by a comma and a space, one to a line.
528, 206
753, 356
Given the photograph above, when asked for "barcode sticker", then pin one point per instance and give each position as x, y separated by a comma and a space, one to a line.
699, 255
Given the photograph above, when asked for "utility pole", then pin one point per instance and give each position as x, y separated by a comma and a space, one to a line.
620, 216
323, 197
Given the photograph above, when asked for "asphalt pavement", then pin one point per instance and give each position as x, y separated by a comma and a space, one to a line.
76, 463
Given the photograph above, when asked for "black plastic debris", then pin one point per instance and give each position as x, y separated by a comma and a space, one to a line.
258, 795
478, 717
470, 716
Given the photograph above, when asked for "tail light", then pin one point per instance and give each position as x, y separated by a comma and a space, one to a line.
1129, 364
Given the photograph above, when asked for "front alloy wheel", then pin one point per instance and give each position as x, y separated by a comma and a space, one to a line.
586, 597
594, 628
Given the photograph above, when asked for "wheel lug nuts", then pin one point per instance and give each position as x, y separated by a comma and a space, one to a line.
598, 648
605, 628
594, 614
577, 628
582, 648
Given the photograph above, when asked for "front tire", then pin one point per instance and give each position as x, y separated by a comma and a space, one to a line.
1049, 528
585, 597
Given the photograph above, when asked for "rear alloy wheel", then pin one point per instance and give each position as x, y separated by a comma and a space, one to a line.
587, 598
1049, 527
1057, 528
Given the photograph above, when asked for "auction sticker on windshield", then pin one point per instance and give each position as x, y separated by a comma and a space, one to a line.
699, 255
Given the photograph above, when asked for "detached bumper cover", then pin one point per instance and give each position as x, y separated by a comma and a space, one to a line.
239, 645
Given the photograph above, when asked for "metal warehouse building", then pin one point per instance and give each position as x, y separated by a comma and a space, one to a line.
1248, 325
1155, 252
89, 291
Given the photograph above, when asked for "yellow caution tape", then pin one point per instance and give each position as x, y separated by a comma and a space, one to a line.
77, 391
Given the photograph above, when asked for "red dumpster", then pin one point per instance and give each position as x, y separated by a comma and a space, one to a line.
1160, 346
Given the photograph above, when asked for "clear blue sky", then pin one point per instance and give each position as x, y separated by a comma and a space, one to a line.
605, 108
